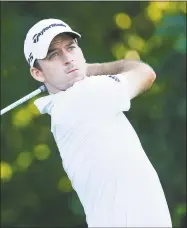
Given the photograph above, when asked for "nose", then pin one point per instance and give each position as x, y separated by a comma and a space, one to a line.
67, 59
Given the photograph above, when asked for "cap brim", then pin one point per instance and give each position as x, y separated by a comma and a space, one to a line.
45, 41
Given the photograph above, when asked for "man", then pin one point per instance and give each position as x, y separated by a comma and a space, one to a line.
100, 150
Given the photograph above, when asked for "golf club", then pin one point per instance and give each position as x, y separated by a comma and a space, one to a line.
24, 99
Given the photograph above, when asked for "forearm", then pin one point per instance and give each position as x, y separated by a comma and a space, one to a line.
139, 79
138, 75
112, 68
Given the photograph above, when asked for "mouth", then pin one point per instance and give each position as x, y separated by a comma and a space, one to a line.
73, 70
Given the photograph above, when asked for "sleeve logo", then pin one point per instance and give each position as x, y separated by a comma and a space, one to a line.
114, 78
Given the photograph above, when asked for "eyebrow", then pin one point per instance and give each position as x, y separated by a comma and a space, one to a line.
51, 49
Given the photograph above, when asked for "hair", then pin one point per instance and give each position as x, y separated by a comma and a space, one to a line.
37, 65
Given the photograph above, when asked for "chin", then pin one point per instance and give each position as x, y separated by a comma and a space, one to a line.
79, 78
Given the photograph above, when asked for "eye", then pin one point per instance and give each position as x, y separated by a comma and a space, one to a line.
53, 54
70, 48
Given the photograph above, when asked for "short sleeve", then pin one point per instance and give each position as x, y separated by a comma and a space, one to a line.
108, 92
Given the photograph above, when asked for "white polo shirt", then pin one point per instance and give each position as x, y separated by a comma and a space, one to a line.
102, 155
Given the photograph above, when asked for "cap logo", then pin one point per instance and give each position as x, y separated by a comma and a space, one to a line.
37, 35
30, 58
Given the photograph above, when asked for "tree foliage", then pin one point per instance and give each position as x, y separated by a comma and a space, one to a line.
35, 189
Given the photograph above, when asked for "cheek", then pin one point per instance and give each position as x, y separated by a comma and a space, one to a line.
80, 56
81, 61
54, 74
53, 69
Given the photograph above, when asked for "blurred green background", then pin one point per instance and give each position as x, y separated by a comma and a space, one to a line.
35, 190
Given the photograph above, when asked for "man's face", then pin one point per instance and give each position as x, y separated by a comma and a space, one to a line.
64, 64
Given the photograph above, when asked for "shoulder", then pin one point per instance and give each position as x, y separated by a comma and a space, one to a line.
44, 104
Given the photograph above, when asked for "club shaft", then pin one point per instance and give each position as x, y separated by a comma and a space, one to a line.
23, 99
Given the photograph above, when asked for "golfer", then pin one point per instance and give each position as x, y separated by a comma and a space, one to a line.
100, 150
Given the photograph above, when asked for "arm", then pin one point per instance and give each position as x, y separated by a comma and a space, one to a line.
139, 75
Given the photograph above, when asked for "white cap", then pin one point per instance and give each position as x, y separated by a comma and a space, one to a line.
39, 37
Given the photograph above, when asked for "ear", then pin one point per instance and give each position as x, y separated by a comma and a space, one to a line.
37, 74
